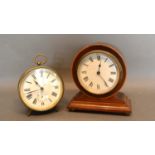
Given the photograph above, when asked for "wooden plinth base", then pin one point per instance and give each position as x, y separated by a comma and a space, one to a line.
117, 104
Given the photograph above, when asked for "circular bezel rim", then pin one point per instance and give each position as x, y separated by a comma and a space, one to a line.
107, 48
25, 74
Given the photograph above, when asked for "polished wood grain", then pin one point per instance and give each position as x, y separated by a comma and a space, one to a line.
104, 47
111, 102
116, 104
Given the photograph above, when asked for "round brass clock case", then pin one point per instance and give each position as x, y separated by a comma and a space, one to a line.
99, 70
40, 88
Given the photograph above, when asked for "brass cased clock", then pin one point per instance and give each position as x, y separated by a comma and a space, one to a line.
40, 87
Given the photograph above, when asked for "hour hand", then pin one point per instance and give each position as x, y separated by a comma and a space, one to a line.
99, 67
41, 88
37, 83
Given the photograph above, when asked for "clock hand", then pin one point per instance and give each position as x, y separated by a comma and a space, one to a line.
41, 88
99, 67
33, 91
103, 80
99, 74
100, 64
38, 84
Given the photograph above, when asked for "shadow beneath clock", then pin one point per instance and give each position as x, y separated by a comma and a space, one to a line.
35, 113
95, 113
56, 109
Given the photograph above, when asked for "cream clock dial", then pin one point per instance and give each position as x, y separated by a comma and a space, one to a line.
40, 88
98, 72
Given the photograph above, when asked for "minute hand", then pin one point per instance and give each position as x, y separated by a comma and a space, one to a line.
103, 80
33, 91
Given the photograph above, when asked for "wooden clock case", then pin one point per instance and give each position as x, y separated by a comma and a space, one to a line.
113, 102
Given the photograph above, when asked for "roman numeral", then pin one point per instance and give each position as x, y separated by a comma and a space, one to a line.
98, 57
29, 96
111, 80
85, 78
91, 59
49, 99
35, 101
113, 73
91, 84
106, 84
27, 89
41, 72
53, 80
34, 76
111, 65
84, 72
48, 75
28, 82
85, 65
54, 94
42, 103
106, 60
98, 86
56, 87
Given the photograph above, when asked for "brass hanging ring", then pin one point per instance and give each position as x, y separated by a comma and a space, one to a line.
40, 59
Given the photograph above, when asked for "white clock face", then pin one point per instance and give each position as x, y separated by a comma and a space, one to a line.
41, 89
98, 72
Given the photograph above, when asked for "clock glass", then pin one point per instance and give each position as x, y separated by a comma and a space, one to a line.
98, 72
41, 88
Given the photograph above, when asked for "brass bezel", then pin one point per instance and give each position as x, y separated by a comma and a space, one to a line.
114, 59
23, 77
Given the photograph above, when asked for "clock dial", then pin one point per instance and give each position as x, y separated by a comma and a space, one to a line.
98, 72
41, 89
